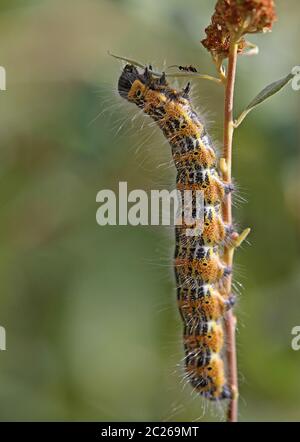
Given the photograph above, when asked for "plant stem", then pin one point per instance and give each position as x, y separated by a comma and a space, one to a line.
230, 320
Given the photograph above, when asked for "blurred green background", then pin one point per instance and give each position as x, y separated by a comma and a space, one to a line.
90, 314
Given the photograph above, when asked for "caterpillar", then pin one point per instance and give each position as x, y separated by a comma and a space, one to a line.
199, 269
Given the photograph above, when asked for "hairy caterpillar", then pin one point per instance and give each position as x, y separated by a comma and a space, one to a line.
199, 268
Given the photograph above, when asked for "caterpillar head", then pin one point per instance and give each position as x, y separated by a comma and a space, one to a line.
142, 87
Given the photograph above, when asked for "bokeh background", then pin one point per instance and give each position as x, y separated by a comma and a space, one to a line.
90, 314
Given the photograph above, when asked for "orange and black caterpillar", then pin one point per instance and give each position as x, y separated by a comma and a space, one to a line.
199, 269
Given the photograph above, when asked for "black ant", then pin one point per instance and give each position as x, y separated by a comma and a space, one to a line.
189, 68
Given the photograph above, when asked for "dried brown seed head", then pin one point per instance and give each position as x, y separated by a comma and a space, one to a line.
234, 19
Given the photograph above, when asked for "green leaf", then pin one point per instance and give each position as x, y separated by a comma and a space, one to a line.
266, 93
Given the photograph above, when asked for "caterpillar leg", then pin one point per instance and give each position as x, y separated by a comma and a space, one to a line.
226, 393
230, 302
